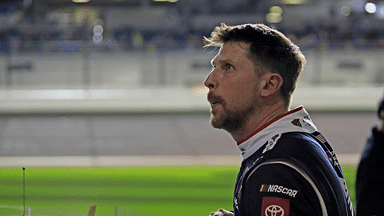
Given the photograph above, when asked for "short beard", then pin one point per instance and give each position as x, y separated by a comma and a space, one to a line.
231, 120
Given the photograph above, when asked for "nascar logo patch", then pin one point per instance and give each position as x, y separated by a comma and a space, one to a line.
278, 189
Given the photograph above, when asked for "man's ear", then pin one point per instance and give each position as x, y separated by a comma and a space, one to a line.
272, 84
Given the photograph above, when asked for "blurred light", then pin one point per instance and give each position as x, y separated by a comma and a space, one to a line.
97, 38
293, 2
98, 34
172, 1
273, 18
80, 1
274, 15
370, 8
98, 29
346, 11
276, 9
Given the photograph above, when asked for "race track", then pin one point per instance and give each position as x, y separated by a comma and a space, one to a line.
149, 136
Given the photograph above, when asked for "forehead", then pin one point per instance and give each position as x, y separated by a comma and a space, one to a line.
232, 51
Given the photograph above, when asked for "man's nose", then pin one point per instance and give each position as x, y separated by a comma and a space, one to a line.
209, 81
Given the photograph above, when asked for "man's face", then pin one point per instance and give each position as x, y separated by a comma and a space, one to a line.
233, 87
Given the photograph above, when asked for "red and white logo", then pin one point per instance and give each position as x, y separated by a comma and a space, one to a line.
274, 210
275, 206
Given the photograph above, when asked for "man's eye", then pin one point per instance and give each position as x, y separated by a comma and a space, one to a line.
228, 66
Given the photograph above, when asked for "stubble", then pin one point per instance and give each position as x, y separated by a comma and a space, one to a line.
233, 118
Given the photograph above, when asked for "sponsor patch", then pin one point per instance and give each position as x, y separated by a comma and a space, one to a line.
332, 157
307, 121
271, 143
266, 188
275, 206
321, 138
296, 122
302, 122
346, 193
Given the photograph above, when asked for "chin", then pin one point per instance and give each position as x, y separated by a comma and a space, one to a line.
215, 122
227, 122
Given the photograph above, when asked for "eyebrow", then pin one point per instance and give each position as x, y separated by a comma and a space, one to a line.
222, 61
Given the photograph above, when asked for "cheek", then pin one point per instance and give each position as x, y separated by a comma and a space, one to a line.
245, 95
242, 91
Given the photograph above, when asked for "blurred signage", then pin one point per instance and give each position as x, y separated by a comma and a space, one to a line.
350, 65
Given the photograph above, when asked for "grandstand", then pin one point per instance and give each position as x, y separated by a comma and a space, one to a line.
144, 57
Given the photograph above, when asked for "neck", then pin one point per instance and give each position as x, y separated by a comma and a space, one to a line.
258, 120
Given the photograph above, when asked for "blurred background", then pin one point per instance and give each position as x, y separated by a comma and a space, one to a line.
100, 78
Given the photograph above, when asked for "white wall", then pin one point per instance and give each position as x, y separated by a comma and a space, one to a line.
129, 70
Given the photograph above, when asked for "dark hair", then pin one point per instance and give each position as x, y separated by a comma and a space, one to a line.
269, 47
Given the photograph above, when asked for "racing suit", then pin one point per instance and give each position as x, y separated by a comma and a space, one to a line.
370, 178
289, 168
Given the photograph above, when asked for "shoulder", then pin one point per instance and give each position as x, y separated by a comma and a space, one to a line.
296, 162
303, 150
283, 183
307, 192
298, 146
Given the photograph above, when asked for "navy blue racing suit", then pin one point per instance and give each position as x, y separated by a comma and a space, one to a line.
289, 168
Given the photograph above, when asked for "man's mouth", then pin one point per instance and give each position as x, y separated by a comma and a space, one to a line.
214, 106
214, 100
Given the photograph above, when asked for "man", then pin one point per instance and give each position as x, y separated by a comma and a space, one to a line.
370, 178
288, 168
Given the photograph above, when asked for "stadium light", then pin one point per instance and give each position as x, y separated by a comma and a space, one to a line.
346, 11
80, 1
274, 15
171, 1
98, 34
370, 8
294, 2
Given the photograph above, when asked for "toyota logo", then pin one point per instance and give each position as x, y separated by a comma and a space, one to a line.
274, 210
